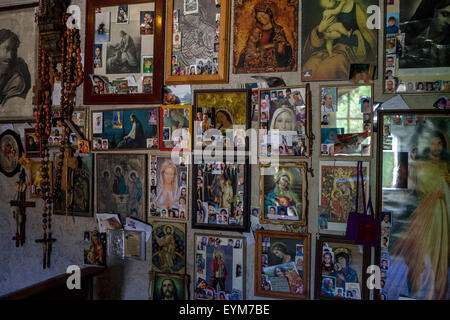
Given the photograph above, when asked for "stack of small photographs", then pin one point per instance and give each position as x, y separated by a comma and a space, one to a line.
220, 193
168, 189
283, 122
278, 275
218, 267
122, 47
182, 63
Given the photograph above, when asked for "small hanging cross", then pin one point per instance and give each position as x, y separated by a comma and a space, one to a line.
47, 242
22, 204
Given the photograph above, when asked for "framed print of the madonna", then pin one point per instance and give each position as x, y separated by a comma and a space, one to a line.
284, 122
346, 120
221, 118
265, 36
336, 34
282, 264
416, 47
220, 267
169, 184
413, 196
197, 41
124, 52
283, 194
341, 269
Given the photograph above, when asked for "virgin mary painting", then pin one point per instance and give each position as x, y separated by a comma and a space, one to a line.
265, 36
336, 38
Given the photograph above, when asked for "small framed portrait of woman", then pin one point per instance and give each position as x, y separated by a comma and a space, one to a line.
221, 195
175, 127
349, 127
282, 265
284, 126
265, 36
223, 116
283, 193
340, 269
169, 200
219, 267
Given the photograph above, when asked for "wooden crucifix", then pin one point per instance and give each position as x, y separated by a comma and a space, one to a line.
22, 204
47, 242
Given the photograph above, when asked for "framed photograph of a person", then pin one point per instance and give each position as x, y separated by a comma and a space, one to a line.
189, 20
285, 123
347, 130
166, 286
225, 114
169, 247
284, 276
285, 188
133, 37
415, 193
425, 46
340, 265
11, 150
220, 267
18, 67
175, 127
33, 145
335, 35
265, 36
171, 192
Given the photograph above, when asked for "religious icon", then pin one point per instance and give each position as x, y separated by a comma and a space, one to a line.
168, 247
336, 35
283, 194
32, 144
37, 179
96, 253
10, 152
147, 18
122, 14
165, 286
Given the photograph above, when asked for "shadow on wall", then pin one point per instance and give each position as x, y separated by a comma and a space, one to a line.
108, 286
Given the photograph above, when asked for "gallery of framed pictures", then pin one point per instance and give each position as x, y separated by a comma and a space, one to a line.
175, 128
413, 204
220, 267
220, 199
346, 121
222, 118
197, 41
284, 122
282, 264
340, 269
125, 129
124, 52
416, 48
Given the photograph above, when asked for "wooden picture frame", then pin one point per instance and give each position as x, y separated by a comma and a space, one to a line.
334, 64
202, 20
175, 114
113, 129
20, 70
83, 186
407, 208
180, 283
282, 211
407, 67
11, 151
235, 107
231, 250
158, 164
227, 180
342, 109
346, 249
154, 85
117, 191
35, 176
294, 101
277, 50
32, 145
169, 238
337, 193
290, 243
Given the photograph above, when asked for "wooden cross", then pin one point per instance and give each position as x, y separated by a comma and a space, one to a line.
70, 164
47, 242
20, 214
